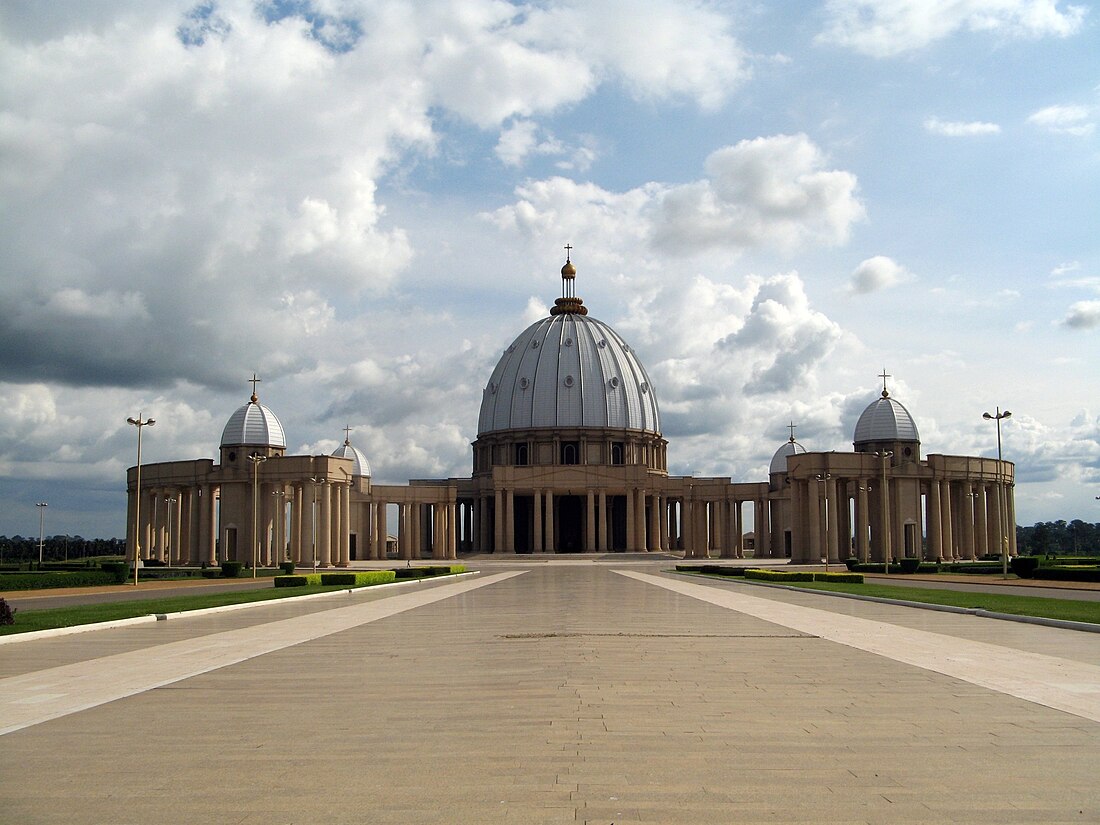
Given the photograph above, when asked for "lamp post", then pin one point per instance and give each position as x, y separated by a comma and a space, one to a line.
885, 454
317, 482
137, 422
41, 529
1002, 509
257, 459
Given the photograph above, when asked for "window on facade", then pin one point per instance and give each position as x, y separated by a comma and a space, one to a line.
617, 452
569, 452
521, 455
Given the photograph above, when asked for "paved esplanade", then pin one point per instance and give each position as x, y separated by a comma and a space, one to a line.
555, 692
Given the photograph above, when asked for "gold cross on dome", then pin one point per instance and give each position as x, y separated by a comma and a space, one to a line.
347, 435
254, 381
884, 375
568, 250
791, 428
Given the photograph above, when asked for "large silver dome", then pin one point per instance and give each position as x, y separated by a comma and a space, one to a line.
885, 420
253, 425
568, 370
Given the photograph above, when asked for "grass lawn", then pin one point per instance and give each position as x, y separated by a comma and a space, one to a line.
1064, 609
28, 620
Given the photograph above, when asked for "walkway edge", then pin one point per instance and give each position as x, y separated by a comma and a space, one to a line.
1064, 624
32, 635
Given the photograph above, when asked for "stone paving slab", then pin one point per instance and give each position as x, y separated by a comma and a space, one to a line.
565, 694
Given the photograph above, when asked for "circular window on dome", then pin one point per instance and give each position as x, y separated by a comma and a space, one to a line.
534, 344
908, 451
511, 348
492, 387
644, 388
524, 383
568, 381
569, 342
603, 343
614, 382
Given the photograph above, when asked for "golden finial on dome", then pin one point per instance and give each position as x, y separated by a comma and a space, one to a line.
568, 271
884, 376
568, 303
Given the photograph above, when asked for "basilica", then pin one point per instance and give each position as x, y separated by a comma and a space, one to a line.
569, 458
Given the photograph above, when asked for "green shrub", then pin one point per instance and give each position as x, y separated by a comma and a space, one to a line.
844, 578
369, 577
119, 569
410, 572
458, 568
1068, 574
287, 567
43, 581
343, 578
291, 581
1024, 566
851, 563
909, 565
7, 613
212, 574
778, 575
231, 569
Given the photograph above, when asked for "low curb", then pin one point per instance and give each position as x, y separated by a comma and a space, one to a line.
52, 632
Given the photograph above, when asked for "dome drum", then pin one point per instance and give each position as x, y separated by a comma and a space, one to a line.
581, 446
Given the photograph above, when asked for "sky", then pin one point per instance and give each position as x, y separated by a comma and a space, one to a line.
364, 202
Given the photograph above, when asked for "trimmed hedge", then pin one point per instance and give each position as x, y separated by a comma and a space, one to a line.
363, 578
778, 575
119, 569
287, 567
909, 565
843, 578
1068, 574
711, 569
231, 569
1024, 566
44, 581
291, 581
411, 572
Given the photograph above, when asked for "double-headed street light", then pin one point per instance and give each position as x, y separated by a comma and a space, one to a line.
41, 529
137, 422
257, 459
1002, 508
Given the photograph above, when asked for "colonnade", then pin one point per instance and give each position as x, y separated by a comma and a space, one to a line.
869, 517
649, 521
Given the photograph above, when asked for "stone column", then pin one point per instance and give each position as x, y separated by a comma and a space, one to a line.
509, 521
631, 525
1010, 507
687, 527
663, 531
966, 520
934, 522
551, 540
381, 526
814, 502
498, 522
832, 515
603, 522
862, 523
403, 532
324, 527
984, 538
345, 525
452, 522
536, 501
590, 523
653, 536
800, 550
737, 524
640, 540
946, 527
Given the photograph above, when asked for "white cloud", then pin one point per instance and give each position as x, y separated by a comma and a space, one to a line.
955, 128
886, 28
1065, 268
1083, 315
1064, 120
773, 192
877, 273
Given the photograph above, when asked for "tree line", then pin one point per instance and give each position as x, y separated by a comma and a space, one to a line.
1062, 538
18, 549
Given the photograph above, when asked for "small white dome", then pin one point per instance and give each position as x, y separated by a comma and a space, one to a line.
885, 420
779, 460
253, 425
361, 466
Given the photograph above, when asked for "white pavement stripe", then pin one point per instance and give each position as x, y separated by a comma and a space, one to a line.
1073, 687
37, 697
